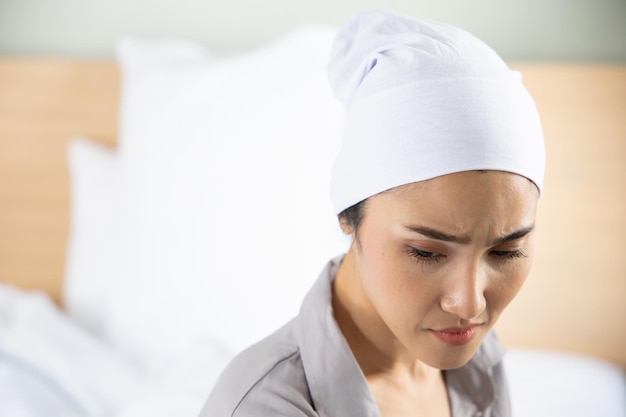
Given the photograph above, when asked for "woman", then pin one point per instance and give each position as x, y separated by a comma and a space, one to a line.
437, 182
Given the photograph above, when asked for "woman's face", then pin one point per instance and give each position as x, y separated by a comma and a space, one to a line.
439, 260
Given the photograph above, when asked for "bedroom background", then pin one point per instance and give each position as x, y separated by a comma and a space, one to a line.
122, 125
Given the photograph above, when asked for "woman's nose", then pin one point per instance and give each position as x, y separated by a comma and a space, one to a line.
464, 294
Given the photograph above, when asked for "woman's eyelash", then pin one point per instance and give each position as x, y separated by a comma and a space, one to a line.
508, 254
424, 256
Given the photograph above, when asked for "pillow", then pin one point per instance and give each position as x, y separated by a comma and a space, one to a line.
97, 209
93, 254
226, 165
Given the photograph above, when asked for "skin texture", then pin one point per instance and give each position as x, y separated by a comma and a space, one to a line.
446, 253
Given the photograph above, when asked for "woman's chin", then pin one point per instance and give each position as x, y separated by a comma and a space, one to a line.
445, 357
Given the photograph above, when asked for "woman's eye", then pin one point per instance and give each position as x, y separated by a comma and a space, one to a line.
509, 254
424, 256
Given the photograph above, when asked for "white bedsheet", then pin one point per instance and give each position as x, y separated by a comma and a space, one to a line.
553, 384
51, 367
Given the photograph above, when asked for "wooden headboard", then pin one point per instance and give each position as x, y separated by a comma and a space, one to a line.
574, 300
43, 103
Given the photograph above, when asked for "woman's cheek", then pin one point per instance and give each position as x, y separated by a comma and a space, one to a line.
392, 279
506, 285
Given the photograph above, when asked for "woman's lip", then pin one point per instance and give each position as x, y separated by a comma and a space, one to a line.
456, 336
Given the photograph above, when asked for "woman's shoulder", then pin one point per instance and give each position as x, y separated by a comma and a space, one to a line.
266, 379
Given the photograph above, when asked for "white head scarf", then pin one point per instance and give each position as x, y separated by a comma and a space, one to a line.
423, 100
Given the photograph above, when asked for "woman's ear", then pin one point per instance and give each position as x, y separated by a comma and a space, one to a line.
345, 225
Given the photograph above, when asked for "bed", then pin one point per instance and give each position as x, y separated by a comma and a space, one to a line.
148, 230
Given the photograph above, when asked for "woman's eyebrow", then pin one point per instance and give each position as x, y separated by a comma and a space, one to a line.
446, 237
436, 234
514, 236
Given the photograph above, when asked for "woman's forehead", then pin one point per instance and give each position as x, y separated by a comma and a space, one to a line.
457, 201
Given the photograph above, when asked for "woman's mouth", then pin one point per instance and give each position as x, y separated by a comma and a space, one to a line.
456, 336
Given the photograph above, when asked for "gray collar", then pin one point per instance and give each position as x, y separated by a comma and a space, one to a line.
338, 386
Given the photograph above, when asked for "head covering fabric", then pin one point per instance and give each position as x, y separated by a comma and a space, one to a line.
425, 99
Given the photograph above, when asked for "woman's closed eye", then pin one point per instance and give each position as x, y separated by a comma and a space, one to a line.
509, 254
424, 256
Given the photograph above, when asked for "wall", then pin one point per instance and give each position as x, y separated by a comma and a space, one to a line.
555, 30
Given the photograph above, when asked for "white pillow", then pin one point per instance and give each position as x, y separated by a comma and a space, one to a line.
94, 252
94, 249
226, 165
